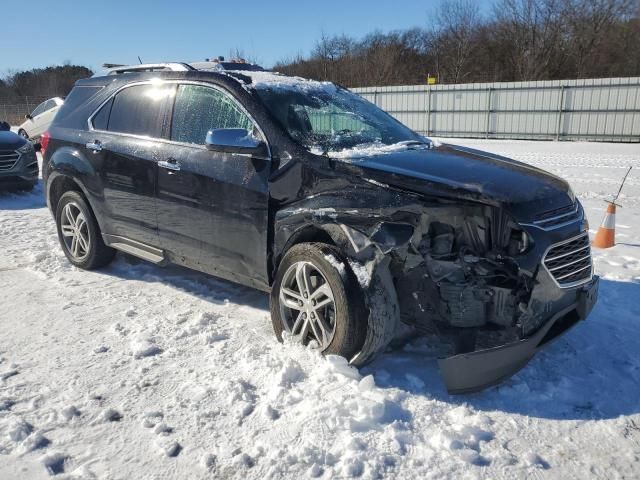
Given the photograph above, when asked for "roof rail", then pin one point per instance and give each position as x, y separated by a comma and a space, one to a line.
147, 67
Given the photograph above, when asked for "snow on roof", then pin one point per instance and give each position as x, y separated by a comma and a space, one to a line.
279, 81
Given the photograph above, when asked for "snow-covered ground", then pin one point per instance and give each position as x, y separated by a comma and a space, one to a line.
138, 372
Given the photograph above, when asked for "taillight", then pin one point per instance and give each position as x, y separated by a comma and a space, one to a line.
44, 142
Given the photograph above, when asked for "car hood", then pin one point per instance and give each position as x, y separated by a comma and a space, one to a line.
463, 173
10, 140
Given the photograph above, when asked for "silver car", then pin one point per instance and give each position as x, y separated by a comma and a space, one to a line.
38, 121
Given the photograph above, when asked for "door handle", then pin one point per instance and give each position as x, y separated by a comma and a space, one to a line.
96, 146
169, 164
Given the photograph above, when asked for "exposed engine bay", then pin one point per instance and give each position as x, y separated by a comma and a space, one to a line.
454, 273
458, 273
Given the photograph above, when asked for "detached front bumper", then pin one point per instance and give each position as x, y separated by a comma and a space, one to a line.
474, 371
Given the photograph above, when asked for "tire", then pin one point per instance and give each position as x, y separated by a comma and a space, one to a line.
346, 319
23, 133
76, 218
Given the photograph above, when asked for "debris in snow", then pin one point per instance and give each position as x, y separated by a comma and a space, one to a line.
54, 462
144, 346
168, 448
101, 349
69, 412
8, 374
111, 415
162, 429
209, 461
19, 430
534, 460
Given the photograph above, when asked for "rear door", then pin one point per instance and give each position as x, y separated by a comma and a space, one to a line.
212, 206
124, 142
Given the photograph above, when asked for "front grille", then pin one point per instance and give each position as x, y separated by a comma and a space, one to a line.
569, 262
8, 158
558, 217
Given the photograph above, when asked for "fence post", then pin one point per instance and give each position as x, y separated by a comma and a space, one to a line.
428, 111
560, 109
486, 135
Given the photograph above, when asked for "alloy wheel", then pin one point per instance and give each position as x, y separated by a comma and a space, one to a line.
75, 231
307, 306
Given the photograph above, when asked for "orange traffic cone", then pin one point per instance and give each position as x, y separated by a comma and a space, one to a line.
605, 238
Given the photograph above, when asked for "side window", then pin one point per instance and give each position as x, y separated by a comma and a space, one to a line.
39, 109
199, 109
101, 119
49, 105
138, 110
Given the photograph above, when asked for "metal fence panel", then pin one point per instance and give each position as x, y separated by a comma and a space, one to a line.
588, 109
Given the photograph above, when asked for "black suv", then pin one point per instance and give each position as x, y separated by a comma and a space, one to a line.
359, 227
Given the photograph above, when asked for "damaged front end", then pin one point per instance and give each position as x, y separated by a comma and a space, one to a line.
469, 274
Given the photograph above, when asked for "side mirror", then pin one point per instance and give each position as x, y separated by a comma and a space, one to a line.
37, 146
235, 140
28, 116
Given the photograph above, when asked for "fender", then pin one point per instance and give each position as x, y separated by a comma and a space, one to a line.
67, 162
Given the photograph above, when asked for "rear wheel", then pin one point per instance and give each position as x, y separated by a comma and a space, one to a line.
317, 301
79, 233
23, 133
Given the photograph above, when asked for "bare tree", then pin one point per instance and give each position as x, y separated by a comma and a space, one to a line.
452, 38
589, 24
531, 32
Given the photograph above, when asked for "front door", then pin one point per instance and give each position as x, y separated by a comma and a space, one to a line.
212, 206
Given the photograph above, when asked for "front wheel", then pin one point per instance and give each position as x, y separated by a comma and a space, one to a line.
79, 233
317, 301
23, 134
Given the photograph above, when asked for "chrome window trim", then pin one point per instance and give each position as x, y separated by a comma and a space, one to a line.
166, 140
577, 283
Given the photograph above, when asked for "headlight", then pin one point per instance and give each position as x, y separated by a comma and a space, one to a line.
26, 148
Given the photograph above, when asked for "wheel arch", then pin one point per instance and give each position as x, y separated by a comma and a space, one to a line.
330, 234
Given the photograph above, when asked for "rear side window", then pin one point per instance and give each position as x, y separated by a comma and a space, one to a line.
101, 119
199, 109
137, 110
79, 96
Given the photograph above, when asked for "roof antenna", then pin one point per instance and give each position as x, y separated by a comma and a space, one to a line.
139, 59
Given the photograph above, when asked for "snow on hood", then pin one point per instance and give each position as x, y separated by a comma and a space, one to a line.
373, 149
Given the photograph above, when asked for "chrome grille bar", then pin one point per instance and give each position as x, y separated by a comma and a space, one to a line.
569, 262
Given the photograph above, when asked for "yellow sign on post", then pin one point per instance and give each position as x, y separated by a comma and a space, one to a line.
431, 80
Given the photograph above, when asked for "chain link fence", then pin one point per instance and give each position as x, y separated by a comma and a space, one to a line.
13, 110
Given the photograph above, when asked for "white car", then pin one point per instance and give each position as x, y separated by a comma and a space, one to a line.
38, 121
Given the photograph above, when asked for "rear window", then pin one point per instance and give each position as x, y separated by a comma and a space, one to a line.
78, 96
137, 110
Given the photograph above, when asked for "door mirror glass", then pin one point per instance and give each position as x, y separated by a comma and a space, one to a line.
234, 140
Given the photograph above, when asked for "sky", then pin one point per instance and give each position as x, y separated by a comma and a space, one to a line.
90, 32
